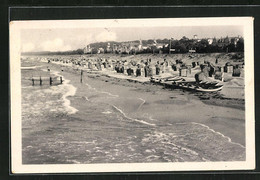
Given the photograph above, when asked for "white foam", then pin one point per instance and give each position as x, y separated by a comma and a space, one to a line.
152, 119
86, 98
106, 112
137, 120
71, 91
102, 92
25, 87
143, 101
73, 161
226, 137
30, 67
204, 159
166, 140
180, 123
90, 87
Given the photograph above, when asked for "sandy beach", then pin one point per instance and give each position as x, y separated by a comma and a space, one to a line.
111, 119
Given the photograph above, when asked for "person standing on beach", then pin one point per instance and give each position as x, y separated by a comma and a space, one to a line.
138, 70
90, 65
120, 67
150, 60
150, 71
157, 68
116, 68
122, 70
145, 69
166, 63
163, 67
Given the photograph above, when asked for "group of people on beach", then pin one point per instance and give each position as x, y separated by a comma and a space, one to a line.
143, 68
147, 68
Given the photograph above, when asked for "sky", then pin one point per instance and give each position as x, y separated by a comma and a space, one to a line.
63, 39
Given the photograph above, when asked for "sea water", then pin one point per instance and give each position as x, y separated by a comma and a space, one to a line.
60, 126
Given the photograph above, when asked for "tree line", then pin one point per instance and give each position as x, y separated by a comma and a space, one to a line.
184, 45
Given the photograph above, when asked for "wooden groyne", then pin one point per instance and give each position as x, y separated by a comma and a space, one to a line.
46, 80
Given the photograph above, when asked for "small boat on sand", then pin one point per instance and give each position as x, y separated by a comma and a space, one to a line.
201, 86
178, 82
166, 79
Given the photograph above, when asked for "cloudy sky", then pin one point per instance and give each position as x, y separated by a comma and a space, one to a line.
63, 39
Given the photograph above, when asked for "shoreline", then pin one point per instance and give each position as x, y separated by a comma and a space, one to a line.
97, 76
151, 106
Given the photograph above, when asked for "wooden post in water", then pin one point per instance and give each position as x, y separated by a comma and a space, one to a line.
81, 74
50, 80
40, 80
32, 81
61, 79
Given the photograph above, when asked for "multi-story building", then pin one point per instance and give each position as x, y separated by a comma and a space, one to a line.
108, 49
87, 50
100, 50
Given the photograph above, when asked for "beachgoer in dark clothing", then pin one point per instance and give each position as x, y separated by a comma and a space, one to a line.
129, 71
157, 68
104, 64
149, 72
211, 71
117, 68
89, 65
145, 70
122, 69
166, 63
138, 71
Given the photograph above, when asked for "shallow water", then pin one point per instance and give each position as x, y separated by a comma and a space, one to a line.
95, 123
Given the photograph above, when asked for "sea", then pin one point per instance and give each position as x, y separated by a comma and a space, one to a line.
103, 121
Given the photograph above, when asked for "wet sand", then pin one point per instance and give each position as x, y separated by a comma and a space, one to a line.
218, 112
164, 104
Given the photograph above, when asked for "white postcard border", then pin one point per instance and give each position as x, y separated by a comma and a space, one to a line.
15, 99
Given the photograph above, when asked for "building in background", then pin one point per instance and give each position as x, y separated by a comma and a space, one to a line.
87, 50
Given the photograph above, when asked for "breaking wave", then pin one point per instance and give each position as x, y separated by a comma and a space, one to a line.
133, 119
